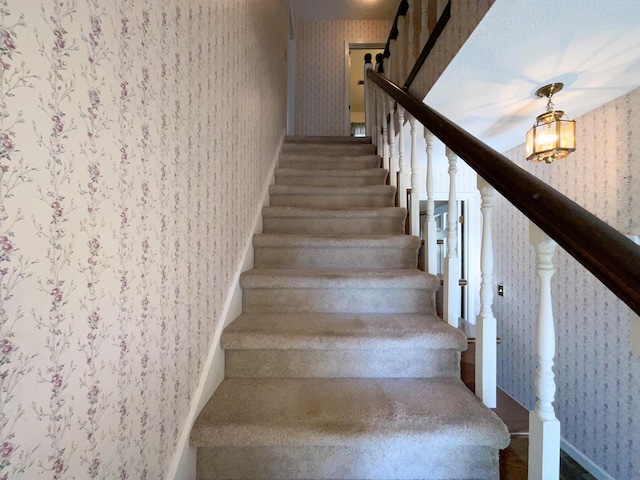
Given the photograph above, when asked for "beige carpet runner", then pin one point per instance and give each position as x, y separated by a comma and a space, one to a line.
338, 367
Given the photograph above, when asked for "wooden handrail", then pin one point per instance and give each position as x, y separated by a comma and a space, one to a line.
601, 249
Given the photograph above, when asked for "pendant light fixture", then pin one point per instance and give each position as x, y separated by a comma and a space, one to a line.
552, 137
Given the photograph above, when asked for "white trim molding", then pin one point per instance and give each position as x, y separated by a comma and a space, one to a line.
183, 465
584, 461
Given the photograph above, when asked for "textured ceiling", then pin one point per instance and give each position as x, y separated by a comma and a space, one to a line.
344, 9
592, 46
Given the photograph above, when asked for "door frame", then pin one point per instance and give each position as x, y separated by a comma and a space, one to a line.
468, 208
348, 46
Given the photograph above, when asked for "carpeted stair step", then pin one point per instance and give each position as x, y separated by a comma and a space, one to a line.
337, 367
331, 178
309, 251
340, 149
338, 291
341, 345
332, 197
326, 139
321, 161
432, 428
357, 221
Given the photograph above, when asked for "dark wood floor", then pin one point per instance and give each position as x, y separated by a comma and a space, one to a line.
514, 458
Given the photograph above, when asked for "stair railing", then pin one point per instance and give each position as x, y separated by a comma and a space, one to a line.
555, 219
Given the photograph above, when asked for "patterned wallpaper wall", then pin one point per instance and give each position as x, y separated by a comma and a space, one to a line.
320, 70
598, 377
135, 138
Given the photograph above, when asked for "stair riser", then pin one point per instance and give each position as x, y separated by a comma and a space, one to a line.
390, 460
331, 163
334, 226
329, 149
360, 363
332, 201
335, 257
333, 181
338, 300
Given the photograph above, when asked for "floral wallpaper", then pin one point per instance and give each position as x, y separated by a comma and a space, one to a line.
320, 70
135, 139
597, 374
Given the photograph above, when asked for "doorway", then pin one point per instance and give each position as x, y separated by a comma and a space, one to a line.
354, 84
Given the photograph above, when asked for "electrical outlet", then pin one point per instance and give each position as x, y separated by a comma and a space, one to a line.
501, 289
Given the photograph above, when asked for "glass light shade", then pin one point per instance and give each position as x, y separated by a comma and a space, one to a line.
551, 138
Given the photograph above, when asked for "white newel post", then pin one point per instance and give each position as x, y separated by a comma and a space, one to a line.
393, 159
385, 137
402, 183
451, 291
415, 190
544, 427
430, 238
486, 325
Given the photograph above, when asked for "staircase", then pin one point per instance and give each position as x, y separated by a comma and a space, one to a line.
338, 367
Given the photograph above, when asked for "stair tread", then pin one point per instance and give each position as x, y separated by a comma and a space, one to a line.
341, 331
344, 412
337, 157
329, 148
314, 190
336, 278
327, 139
342, 241
373, 212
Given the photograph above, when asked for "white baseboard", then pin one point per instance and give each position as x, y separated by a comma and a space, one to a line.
584, 461
183, 465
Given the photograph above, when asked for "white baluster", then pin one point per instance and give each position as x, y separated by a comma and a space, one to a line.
441, 6
402, 186
544, 427
385, 136
430, 238
451, 291
424, 23
380, 148
415, 190
375, 134
368, 104
393, 159
411, 57
390, 73
486, 325
374, 113
400, 48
